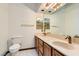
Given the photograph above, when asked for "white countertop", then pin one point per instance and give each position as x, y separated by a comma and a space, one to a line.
73, 51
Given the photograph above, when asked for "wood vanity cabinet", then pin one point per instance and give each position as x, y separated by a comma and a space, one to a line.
47, 50
39, 46
44, 49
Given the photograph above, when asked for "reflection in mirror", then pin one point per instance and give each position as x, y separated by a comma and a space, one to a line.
39, 24
43, 24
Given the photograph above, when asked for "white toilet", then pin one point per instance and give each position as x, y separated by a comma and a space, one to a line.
13, 46
14, 49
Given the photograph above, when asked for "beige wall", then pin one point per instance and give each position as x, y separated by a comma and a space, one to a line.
3, 28
21, 14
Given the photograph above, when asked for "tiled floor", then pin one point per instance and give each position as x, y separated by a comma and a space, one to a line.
31, 52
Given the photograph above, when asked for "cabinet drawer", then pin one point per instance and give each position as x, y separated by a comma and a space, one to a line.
41, 48
40, 42
47, 50
36, 43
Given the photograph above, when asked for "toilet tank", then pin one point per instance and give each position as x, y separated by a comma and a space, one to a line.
14, 40
9, 42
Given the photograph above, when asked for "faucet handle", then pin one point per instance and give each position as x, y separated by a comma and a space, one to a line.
69, 39
68, 36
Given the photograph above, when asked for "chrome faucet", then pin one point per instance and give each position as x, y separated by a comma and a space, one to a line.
69, 39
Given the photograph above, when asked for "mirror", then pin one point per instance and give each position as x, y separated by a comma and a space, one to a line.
64, 21
43, 24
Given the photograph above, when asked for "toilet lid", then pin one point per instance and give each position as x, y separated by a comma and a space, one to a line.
15, 46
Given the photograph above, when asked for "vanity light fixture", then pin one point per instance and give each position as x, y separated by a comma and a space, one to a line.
50, 7
42, 10
56, 6
47, 4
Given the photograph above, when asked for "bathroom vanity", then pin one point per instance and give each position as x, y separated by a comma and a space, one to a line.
44, 49
51, 46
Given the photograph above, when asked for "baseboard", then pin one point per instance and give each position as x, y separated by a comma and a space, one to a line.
20, 50
6, 53
27, 48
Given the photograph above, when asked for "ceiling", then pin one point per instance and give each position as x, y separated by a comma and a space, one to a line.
33, 6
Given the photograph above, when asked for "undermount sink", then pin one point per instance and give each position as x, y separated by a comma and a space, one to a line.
63, 45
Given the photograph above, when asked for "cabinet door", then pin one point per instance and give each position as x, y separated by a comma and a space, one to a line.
57, 53
40, 46
39, 53
47, 50
36, 43
52, 51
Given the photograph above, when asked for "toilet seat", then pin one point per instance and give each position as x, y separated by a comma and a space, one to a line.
14, 48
